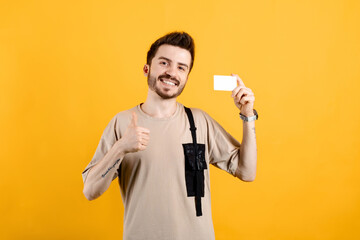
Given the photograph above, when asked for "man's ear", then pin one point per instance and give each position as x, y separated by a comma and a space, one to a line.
146, 70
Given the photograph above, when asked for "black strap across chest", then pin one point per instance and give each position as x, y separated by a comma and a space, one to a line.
199, 172
192, 124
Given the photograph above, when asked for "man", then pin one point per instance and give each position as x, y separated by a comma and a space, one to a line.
162, 165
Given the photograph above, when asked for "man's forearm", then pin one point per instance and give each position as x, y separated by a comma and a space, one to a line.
101, 175
248, 152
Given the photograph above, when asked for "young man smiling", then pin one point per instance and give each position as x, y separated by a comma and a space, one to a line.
161, 151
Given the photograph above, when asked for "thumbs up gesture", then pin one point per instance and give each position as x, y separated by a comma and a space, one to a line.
135, 138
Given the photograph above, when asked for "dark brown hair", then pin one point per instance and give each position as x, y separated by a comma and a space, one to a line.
178, 39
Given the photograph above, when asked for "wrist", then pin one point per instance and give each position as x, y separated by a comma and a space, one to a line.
248, 113
120, 147
248, 117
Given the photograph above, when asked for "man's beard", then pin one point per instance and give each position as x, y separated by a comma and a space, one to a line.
152, 85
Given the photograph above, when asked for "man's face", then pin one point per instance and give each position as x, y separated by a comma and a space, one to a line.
169, 71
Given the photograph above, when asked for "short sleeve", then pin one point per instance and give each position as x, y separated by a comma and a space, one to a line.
224, 150
108, 138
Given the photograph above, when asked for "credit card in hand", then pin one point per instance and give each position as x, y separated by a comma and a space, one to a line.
224, 83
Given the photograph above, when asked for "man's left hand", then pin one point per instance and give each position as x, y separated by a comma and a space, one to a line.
243, 97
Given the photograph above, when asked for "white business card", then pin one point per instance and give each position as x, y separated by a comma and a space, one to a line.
224, 83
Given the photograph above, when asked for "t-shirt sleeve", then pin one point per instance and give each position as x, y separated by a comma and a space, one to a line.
108, 138
224, 150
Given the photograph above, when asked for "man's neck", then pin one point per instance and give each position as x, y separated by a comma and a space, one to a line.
157, 107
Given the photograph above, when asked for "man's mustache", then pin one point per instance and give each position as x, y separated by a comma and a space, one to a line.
167, 76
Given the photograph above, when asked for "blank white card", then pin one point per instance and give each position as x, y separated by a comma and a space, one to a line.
224, 83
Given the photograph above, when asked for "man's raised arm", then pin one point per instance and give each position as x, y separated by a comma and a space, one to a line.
244, 99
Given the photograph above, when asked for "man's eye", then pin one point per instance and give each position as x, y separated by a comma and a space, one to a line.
163, 63
182, 69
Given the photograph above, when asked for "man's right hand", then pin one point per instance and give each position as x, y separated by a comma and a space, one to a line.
135, 138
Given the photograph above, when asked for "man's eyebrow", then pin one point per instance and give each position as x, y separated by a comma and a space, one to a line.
169, 60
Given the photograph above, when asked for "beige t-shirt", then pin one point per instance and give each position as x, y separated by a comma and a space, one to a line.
152, 182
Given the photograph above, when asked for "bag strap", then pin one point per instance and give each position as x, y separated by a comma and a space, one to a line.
192, 124
197, 161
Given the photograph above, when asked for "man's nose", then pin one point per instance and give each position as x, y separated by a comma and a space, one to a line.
171, 71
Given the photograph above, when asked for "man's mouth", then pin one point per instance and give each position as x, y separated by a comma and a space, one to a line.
170, 82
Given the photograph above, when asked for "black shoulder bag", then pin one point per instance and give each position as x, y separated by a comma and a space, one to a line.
194, 166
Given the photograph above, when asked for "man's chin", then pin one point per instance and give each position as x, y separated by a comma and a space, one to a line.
165, 95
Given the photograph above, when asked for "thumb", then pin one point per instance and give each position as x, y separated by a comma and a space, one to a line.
238, 80
133, 119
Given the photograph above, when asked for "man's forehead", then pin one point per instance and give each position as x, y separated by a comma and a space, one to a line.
174, 53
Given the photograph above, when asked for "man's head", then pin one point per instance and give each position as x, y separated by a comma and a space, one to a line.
169, 62
177, 39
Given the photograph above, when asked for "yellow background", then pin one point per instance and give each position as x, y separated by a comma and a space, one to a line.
67, 67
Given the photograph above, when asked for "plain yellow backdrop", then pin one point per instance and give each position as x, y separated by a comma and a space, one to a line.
67, 67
